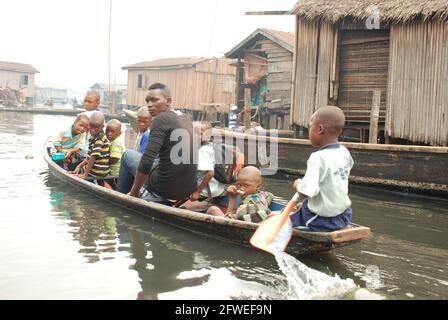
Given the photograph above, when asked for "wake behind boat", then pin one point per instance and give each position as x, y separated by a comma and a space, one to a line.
218, 228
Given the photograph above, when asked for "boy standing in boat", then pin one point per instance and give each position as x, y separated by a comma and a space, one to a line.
91, 105
325, 185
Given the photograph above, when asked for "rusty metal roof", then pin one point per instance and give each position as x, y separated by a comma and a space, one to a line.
282, 38
167, 63
17, 67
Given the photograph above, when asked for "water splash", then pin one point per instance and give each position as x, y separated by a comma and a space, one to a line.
308, 284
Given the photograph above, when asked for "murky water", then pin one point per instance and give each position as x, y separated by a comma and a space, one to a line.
59, 242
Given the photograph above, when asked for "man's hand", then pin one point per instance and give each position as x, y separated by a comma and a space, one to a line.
195, 195
133, 194
297, 184
82, 176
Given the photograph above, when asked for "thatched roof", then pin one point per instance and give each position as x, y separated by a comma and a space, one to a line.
390, 10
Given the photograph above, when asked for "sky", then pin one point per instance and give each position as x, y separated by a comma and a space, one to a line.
67, 40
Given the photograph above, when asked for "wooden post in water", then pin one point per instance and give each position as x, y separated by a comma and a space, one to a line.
374, 116
247, 108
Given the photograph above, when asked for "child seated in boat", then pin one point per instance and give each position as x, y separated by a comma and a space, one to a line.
144, 121
71, 142
250, 202
96, 164
208, 187
325, 185
116, 146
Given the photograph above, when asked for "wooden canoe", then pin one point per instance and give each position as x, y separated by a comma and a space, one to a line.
223, 229
406, 168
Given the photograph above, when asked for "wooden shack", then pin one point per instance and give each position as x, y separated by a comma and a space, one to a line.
265, 61
346, 50
17, 77
196, 84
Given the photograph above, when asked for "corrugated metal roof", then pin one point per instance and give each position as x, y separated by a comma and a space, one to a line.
17, 67
105, 86
284, 39
186, 62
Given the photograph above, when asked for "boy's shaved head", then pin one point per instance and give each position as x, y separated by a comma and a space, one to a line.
97, 119
93, 94
114, 124
143, 112
251, 172
331, 117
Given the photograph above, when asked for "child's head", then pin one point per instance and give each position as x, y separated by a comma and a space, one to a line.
144, 119
91, 100
203, 131
81, 124
113, 129
96, 123
249, 180
326, 125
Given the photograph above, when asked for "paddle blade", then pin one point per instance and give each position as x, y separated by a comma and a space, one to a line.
274, 233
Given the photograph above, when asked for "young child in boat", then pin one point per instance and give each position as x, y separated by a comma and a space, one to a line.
116, 146
208, 186
72, 141
326, 206
96, 164
247, 201
144, 121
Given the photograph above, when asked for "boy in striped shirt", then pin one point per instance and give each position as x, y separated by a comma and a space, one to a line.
96, 164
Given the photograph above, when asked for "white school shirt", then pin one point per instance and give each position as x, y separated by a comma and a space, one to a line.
326, 180
206, 162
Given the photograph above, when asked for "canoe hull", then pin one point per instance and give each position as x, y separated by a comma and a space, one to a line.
226, 230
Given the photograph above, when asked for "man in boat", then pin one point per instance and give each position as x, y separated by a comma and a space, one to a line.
326, 206
171, 141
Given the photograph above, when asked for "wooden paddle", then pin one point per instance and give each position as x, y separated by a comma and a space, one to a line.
274, 233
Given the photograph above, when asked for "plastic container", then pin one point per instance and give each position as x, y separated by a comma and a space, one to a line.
57, 156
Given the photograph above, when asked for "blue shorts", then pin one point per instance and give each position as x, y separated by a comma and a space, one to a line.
305, 219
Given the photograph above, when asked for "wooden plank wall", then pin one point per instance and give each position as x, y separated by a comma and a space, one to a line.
305, 60
325, 63
364, 56
279, 77
190, 87
417, 106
